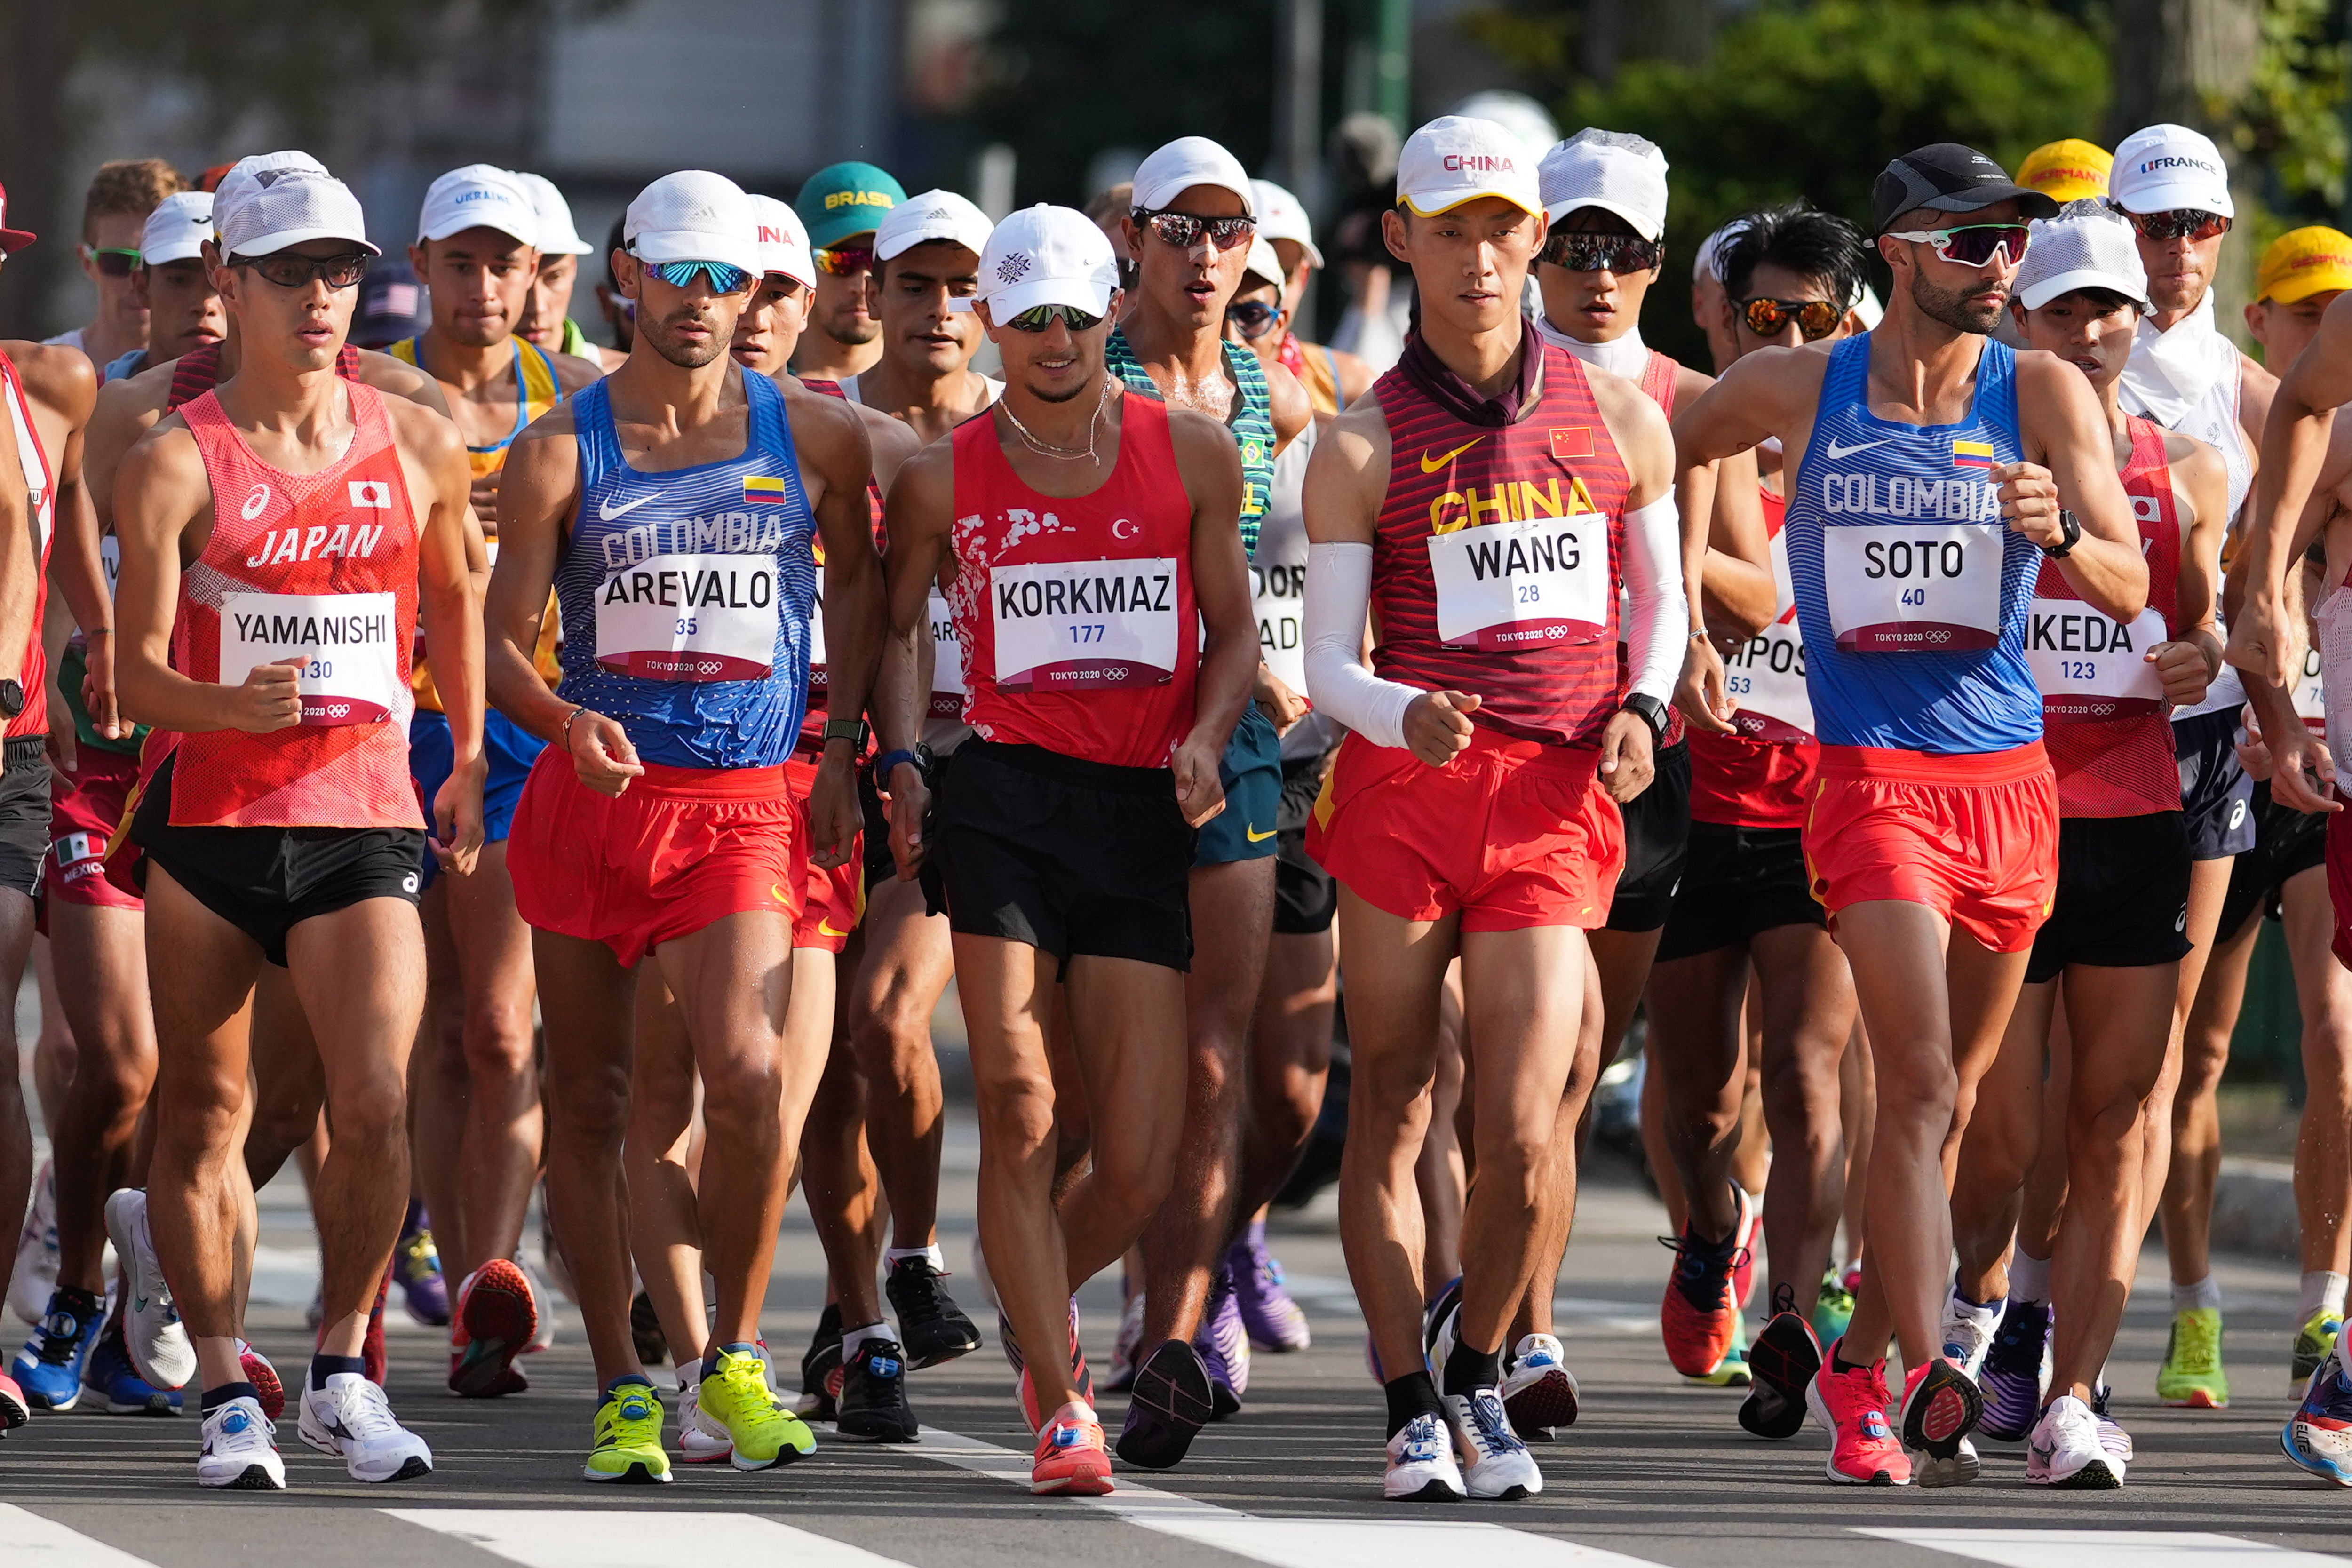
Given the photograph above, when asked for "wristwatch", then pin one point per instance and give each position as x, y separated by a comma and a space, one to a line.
12, 699
2070, 531
850, 730
1651, 711
887, 764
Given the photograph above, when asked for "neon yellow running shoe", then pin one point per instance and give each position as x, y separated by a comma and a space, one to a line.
628, 1437
1832, 1309
2191, 1377
735, 1394
2312, 1344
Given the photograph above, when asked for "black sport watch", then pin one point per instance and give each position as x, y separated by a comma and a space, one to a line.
2070, 532
1651, 711
12, 699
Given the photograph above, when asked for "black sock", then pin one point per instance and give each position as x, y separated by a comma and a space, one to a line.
1410, 1395
216, 1397
1468, 1370
1839, 1363
83, 1304
324, 1366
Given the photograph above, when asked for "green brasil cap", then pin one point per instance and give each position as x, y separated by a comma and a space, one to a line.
844, 199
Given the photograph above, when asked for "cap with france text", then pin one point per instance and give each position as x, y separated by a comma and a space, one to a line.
1455, 158
1188, 161
933, 215
1949, 178
2303, 262
783, 241
277, 209
843, 199
2170, 168
557, 235
176, 230
1048, 256
693, 216
1616, 171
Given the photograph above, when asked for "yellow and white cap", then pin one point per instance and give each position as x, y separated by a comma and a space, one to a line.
1456, 159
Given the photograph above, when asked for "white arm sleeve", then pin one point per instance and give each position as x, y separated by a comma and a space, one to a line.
1338, 601
1658, 619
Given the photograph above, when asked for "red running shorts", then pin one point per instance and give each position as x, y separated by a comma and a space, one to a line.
831, 901
82, 818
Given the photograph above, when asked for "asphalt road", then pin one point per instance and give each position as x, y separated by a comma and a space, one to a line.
1655, 1472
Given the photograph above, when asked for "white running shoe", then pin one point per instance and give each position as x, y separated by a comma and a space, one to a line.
1500, 1465
161, 1350
35, 1274
351, 1418
1422, 1466
1967, 1333
2064, 1451
698, 1443
240, 1450
1123, 1359
1538, 1390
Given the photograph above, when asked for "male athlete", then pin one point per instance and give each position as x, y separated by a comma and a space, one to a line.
840, 205
1085, 537
269, 646
115, 211
546, 318
674, 507
1948, 469
1332, 377
1483, 503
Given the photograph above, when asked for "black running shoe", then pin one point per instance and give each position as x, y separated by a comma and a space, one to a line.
645, 1328
1173, 1400
932, 1326
822, 1374
873, 1403
1783, 1362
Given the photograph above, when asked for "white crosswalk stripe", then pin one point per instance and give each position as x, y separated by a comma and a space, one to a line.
2106, 1548
30, 1540
593, 1538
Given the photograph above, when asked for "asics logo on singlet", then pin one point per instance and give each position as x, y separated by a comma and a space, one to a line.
254, 502
1836, 451
606, 512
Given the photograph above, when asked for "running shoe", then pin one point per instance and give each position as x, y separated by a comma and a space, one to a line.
645, 1330
2191, 1377
1698, 1317
1538, 1390
1275, 1324
1850, 1404
1123, 1363
416, 1266
1731, 1372
543, 1336
116, 1387
931, 1327
2318, 1436
2312, 1344
2112, 1436
627, 1445
34, 1276
1224, 1345
159, 1344
1501, 1469
2016, 1371
1969, 1329
259, 1372
13, 1411
1070, 1458
821, 1373
1422, 1466
499, 1315
49, 1369
1436, 1328
1782, 1365
1832, 1309
735, 1395
1940, 1408
1174, 1397
1026, 1392
350, 1419
514, 1382
697, 1443
873, 1403
240, 1450
1743, 1267
2064, 1451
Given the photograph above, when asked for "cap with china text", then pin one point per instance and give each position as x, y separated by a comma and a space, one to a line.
1454, 159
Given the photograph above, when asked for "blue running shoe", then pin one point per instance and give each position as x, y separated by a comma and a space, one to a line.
48, 1368
2013, 1372
1223, 1343
116, 1385
2318, 1437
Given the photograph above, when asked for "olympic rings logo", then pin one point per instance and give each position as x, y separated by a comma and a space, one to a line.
707, 666
1936, 636
1115, 672
338, 710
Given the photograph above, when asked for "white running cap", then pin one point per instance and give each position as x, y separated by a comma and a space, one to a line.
176, 230
1616, 171
783, 241
693, 216
557, 235
277, 209
934, 215
1187, 162
1868, 307
1048, 256
2087, 245
2166, 168
1709, 262
1262, 262
479, 196
247, 171
1455, 159
1280, 216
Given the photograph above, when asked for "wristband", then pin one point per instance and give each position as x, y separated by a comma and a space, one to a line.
566, 731
850, 730
887, 764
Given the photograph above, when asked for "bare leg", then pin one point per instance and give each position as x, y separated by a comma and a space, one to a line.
103, 955
663, 1234
15, 1126
437, 1087
54, 1052
503, 1130
2196, 1164
2002, 1140
1857, 1116
1808, 1017
906, 968
2323, 1145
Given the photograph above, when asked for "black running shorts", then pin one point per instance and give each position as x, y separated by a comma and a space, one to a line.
1657, 836
2122, 895
2216, 795
2287, 843
1738, 881
24, 813
1305, 896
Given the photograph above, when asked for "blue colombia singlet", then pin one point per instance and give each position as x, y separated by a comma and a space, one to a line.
1912, 592
686, 595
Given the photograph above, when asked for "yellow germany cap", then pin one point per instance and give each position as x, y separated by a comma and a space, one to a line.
2066, 170
2303, 262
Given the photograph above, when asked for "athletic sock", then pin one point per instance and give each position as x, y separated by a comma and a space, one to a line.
216, 1397
689, 1372
938, 1260
2323, 1291
324, 1366
2206, 1293
1993, 1304
1410, 1395
2029, 1277
83, 1304
1468, 1370
853, 1338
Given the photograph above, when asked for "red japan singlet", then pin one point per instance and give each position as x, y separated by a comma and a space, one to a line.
318, 567
2105, 720
197, 372
41, 488
1494, 563
1762, 776
1075, 613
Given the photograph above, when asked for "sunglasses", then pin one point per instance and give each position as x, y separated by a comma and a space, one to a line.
1037, 318
112, 260
2184, 223
845, 260
1255, 318
1817, 319
724, 279
1972, 244
286, 270
1603, 252
1183, 230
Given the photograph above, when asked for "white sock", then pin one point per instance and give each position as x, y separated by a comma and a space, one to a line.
939, 1260
2206, 1293
689, 1373
2029, 1277
851, 1339
2322, 1292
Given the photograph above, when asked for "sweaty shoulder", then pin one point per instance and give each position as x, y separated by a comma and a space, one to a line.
398, 378
573, 373
1291, 407
822, 424
893, 442
1199, 439
59, 376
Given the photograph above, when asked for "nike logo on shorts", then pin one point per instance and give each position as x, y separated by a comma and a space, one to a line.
1258, 837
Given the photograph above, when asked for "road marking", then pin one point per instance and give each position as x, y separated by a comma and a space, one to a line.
30, 1540
1293, 1542
592, 1538
2106, 1548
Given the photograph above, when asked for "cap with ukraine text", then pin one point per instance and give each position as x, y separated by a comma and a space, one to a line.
693, 216
479, 196
1048, 256
843, 199
1948, 178
2303, 262
2170, 168
176, 230
1455, 158
783, 243
2067, 171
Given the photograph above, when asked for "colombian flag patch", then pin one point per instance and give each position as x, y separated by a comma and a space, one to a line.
760, 489
1972, 453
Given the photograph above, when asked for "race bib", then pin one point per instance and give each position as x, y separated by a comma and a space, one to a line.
1278, 598
690, 618
2311, 694
109, 557
1767, 677
1087, 625
1508, 585
2089, 666
347, 644
1914, 588
947, 659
